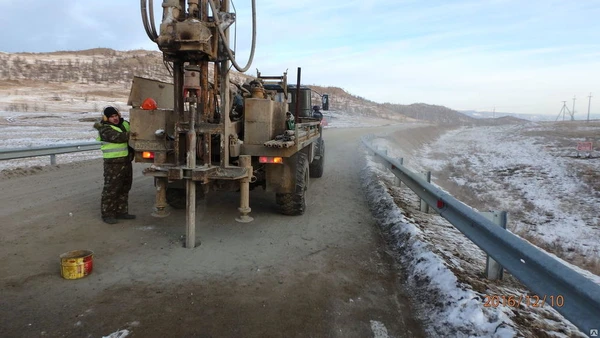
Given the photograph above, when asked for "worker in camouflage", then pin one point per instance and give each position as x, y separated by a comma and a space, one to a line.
113, 133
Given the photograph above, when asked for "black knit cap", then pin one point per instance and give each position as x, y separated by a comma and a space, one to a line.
110, 111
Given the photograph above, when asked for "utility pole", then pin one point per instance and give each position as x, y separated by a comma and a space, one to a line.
589, 104
563, 111
573, 111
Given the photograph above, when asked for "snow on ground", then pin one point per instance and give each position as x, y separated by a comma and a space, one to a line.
339, 119
36, 129
519, 169
444, 269
473, 159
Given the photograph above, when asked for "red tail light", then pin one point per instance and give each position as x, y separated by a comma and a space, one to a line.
268, 159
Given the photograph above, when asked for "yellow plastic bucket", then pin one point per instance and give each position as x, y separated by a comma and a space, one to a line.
76, 264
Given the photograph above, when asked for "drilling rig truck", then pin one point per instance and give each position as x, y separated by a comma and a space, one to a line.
201, 133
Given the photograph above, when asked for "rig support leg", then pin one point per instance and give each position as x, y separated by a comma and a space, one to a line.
160, 205
244, 209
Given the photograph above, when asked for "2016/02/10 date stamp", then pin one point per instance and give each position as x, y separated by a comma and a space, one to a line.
525, 300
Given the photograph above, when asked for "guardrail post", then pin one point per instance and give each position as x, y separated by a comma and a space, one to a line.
427, 177
53, 159
493, 270
397, 181
574, 296
378, 157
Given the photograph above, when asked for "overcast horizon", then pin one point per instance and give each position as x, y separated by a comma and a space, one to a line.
466, 55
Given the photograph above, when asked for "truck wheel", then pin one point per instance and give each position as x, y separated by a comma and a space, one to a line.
295, 203
318, 164
176, 198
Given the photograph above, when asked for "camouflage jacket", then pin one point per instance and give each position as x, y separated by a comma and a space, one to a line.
109, 134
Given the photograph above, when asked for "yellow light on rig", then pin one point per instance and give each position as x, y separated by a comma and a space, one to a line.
268, 159
148, 154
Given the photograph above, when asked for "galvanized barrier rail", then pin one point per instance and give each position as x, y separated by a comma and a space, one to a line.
52, 151
543, 275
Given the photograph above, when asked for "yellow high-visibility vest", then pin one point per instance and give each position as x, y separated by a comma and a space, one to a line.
115, 150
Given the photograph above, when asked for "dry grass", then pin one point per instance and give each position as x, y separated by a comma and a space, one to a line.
569, 254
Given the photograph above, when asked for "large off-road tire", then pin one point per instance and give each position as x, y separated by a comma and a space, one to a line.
176, 196
295, 203
318, 164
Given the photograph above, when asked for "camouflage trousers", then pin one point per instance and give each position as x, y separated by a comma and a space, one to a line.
118, 177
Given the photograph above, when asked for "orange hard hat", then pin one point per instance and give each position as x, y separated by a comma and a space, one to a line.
149, 104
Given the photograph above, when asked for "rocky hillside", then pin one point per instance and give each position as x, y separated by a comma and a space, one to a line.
422, 111
90, 79
98, 66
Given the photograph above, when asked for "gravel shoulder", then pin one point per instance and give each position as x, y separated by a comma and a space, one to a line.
325, 273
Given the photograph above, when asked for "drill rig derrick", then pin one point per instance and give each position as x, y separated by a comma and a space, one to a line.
268, 138
193, 37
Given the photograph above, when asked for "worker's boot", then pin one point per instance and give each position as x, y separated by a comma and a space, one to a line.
125, 216
110, 220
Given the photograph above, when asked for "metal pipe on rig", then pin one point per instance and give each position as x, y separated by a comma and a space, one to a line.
298, 96
190, 184
190, 187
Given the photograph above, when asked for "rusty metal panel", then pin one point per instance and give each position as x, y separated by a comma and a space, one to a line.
143, 88
144, 127
229, 174
258, 121
209, 128
279, 110
156, 172
260, 150
175, 174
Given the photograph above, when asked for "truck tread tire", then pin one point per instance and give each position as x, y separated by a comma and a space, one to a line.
295, 203
318, 165
176, 198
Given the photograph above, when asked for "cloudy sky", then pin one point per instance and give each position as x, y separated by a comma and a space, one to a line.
511, 55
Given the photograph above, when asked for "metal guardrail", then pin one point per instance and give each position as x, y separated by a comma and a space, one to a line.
52, 151
542, 274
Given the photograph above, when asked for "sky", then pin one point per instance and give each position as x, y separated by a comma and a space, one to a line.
508, 55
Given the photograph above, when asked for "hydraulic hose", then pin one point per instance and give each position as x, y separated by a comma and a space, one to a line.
152, 26
226, 43
148, 25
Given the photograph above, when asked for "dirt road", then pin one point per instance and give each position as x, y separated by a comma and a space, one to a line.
323, 274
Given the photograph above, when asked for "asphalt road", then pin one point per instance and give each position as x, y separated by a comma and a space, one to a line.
323, 274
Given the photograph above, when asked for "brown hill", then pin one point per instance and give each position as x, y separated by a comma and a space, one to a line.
87, 80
